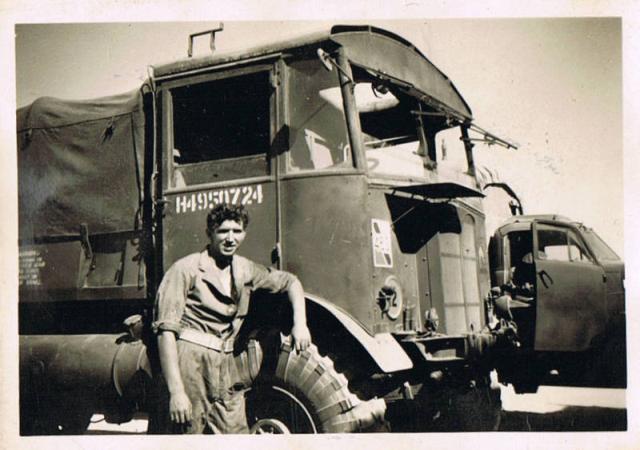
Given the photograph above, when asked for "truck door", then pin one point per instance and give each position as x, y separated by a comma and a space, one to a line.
569, 286
216, 140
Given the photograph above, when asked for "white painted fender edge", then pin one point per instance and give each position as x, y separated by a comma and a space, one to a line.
382, 347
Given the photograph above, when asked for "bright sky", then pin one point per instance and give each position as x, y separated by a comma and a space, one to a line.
552, 85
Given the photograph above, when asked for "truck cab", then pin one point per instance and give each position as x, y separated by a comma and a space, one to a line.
564, 289
330, 142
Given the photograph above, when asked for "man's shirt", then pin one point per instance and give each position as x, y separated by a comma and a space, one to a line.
191, 294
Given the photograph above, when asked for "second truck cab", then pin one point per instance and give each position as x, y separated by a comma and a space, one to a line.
565, 291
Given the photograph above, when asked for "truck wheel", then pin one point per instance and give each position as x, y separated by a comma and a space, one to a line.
479, 409
270, 403
66, 423
476, 408
76, 424
269, 426
42, 414
303, 393
606, 363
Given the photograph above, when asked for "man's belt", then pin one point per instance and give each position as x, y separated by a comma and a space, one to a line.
207, 340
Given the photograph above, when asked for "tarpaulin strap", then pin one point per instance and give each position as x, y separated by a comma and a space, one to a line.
137, 164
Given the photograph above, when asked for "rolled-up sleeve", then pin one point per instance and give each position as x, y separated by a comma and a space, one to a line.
171, 300
271, 280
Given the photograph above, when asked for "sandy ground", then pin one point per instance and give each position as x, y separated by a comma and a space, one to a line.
550, 409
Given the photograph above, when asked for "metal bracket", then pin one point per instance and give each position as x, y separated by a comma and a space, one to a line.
212, 43
329, 62
159, 205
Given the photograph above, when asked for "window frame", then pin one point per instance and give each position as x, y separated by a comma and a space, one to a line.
341, 169
167, 145
584, 250
568, 230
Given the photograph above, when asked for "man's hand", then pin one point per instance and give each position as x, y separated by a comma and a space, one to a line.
180, 408
301, 337
179, 404
300, 334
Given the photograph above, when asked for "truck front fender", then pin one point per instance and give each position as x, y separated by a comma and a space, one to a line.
382, 347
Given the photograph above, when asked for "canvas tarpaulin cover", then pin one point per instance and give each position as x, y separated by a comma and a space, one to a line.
80, 162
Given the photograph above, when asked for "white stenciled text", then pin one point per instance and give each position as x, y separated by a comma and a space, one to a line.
200, 201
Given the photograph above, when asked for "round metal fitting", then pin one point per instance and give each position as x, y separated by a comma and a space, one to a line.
390, 297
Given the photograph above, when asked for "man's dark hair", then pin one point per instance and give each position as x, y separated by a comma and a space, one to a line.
224, 212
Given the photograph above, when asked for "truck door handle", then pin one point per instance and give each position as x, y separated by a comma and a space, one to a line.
543, 274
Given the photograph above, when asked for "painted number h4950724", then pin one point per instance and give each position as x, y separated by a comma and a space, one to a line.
199, 201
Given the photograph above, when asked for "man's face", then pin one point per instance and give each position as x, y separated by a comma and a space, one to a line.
226, 238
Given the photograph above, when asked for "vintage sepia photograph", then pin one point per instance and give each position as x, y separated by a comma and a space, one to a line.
310, 227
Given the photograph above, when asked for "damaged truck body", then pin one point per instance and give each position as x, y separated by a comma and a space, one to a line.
330, 143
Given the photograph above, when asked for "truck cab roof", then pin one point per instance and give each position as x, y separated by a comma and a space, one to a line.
532, 217
523, 222
394, 56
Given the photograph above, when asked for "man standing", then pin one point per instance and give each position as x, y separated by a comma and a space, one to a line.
201, 304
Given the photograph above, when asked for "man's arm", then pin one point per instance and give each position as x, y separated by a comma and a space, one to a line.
179, 405
168, 309
278, 282
300, 332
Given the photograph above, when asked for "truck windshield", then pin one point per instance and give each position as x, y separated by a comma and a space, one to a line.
398, 130
389, 131
600, 248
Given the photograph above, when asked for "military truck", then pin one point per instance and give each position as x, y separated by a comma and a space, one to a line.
568, 303
329, 140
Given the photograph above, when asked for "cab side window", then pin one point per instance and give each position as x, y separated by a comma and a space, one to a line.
560, 244
553, 244
221, 129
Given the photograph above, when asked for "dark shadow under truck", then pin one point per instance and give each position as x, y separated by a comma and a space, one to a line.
330, 142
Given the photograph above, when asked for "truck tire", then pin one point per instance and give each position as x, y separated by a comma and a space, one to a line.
65, 423
302, 392
606, 365
48, 412
478, 409
474, 408
77, 423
